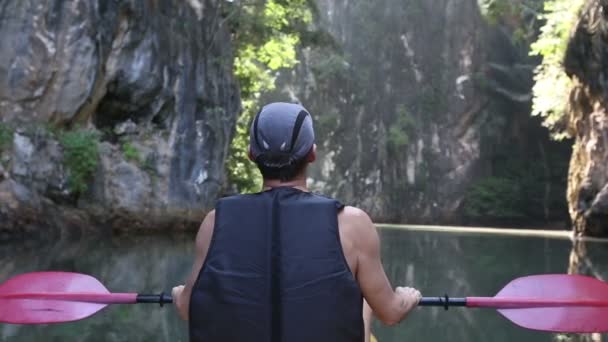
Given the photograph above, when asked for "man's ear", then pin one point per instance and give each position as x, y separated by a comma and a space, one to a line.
312, 155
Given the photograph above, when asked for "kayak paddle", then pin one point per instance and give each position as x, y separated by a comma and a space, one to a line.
551, 302
554, 302
53, 297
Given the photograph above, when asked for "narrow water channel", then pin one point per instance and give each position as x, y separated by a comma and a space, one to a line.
438, 262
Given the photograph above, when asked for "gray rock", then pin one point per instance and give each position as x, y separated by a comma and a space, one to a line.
24, 149
37, 162
405, 127
148, 69
125, 128
122, 185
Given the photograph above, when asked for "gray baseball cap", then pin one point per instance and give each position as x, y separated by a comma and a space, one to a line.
282, 133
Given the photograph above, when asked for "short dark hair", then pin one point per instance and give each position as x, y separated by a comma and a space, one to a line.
280, 166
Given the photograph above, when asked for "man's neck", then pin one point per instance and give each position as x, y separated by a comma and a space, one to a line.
298, 183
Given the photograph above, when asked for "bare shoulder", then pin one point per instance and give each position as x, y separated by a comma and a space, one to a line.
206, 229
356, 223
210, 217
358, 236
355, 217
209, 220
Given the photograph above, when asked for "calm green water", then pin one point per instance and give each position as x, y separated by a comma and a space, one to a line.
436, 263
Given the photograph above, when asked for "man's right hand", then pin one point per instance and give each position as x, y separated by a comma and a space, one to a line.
178, 300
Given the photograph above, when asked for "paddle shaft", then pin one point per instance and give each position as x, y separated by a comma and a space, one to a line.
509, 303
90, 297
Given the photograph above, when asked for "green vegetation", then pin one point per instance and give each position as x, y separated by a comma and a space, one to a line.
398, 132
522, 16
242, 173
542, 27
6, 137
81, 155
494, 10
528, 189
431, 99
131, 153
331, 67
268, 33
552, 85
518, 189
494, 197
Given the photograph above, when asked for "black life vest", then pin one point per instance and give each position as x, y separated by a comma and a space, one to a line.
276, 272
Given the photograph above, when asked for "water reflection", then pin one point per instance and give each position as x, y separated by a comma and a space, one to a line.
127, 264
436, 262
465, 265
588, 258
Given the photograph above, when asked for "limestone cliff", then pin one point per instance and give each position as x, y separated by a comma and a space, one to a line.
152, 78
418, 104
586, 63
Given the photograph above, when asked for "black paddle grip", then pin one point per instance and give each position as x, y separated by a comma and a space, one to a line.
155, 299
444, 301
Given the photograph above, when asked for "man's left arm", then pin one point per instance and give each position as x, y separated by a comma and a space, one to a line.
181, 294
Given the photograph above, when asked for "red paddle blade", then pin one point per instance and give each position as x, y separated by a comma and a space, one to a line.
580, 303
16, 308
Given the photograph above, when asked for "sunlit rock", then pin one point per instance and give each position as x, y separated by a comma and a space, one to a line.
586, 63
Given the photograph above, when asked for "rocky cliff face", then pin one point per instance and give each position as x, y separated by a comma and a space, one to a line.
153, 78
416, 103
586, 63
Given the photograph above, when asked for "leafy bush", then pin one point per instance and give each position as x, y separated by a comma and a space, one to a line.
131, 153
81, 156
552, 85
494, 197
398, 132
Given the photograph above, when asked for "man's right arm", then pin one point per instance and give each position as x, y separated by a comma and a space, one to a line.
388, 306
181, 294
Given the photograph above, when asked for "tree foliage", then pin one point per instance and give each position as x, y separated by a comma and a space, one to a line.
522, 17
494, 197
552, 85
267, 34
